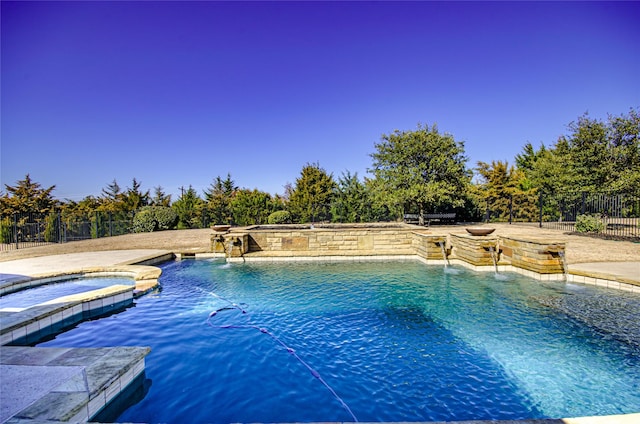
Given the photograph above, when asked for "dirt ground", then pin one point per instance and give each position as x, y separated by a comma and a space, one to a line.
579, 249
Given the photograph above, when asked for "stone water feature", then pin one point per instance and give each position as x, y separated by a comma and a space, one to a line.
319, 240
537, 255
476, 250
386, 241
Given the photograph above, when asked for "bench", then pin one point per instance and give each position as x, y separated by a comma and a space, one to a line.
414, 218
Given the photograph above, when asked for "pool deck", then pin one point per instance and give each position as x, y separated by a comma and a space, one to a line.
72, 384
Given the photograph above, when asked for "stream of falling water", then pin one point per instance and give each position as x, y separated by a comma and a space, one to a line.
444, 254
565, 267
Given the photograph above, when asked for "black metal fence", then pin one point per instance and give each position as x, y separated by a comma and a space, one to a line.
23, 230
607, 215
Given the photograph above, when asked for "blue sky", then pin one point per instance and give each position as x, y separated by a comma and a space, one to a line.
177, 93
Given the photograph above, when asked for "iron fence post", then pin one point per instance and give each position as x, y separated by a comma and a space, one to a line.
15, 229
59, 227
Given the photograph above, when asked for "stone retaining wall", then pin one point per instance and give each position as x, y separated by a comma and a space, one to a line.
353, 240
334, 240
541, 256
476, 250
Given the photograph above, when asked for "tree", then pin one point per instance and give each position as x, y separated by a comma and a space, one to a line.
502, 184
189, 209
133, 199
111, 199
251, 207
590, 154
527, 161
624, 133
423, 169
310, 200
349, 200
27, 196
595, 156
160, 198
218, 200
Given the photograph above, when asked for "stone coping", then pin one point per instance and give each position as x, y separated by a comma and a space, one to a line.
64, 384
139, 269
29, 325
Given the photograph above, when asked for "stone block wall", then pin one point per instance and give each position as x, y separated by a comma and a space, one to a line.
475, 250
541, 256
427, 246
305, 241
332, 241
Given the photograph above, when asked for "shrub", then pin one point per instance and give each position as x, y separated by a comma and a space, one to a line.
167, 218
6, 232
154, 218
589, 224
279, 217
51, 228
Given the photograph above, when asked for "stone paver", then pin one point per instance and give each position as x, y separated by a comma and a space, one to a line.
618, 270
63, 384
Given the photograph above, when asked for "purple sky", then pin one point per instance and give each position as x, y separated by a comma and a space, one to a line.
177, 93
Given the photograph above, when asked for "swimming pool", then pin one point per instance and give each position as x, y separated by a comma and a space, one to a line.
395, 341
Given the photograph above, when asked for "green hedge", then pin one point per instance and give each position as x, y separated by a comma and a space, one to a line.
154, 218
279, 217
589, 224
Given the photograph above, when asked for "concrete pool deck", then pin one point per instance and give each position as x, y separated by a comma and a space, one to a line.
31, 377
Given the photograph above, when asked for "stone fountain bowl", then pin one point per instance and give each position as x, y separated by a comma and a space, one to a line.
220, 227
480, 231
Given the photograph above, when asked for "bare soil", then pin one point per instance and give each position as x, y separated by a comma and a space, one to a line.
579, 249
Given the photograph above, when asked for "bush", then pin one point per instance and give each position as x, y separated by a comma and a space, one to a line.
589, 224
279, 217
154, 218
6, 233
51, 229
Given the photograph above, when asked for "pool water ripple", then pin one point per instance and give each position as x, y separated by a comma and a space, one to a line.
396, 341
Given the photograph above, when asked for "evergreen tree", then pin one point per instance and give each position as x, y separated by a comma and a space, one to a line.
27, 196
349, 200
133, 199
502, 184
251, 207
160, 198
310, 200
189, 209
218, 200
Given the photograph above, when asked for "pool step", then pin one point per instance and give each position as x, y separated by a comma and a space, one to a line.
33, 324
65, 384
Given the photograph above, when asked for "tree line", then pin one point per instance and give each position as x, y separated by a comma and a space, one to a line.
414, 171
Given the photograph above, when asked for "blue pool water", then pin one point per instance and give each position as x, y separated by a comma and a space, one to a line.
44, 293
396, 341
